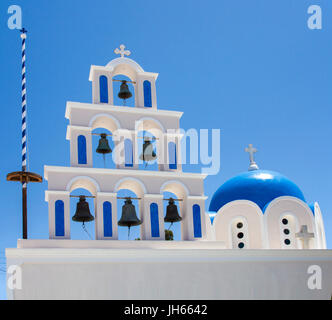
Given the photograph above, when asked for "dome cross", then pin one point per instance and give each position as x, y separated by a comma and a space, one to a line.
122, 51
251, 150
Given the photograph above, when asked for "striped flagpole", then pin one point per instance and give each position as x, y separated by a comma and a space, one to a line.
24, 177
24, 138
24, 108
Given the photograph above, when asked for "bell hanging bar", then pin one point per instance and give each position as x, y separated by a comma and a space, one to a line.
111, 134
150, 139
124, 198
98, 134
124, 80
72, 196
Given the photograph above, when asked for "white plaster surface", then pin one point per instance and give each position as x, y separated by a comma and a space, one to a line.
158, 272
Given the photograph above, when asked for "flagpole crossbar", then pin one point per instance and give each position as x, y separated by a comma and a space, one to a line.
24, 176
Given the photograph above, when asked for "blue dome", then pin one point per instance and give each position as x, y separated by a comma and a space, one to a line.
259, 186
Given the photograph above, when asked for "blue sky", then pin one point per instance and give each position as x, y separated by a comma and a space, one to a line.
251, 68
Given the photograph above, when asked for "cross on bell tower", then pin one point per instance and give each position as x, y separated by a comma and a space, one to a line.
122, 51
251, 150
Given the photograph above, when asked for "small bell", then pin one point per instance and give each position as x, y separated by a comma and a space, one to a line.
82, 213
172, 214
103, 146
124, 91
148, 153
129, 217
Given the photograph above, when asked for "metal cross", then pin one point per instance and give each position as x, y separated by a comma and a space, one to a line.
122, 51
305, 236
251, 150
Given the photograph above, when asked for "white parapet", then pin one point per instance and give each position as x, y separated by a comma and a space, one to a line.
67, 269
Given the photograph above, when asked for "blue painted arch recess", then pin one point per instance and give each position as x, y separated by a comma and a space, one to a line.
59, 218
103, 89
107, 215
128, 149
81, 150
172, 155
197, 221
154, 219
147, 93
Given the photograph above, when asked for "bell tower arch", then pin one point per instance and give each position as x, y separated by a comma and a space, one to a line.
144, 83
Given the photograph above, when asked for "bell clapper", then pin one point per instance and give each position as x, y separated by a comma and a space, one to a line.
170, 226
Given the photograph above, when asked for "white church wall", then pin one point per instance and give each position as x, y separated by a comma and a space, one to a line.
284, 207
175, 273
243, 211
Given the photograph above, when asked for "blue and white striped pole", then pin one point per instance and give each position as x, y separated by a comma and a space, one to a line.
24, 107
24, 176
24, 139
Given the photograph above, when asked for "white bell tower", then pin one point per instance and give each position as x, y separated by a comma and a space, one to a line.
124, 123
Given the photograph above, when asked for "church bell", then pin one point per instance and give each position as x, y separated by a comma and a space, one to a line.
124, 91
82, 213
172, 214
103, 146
148, 153
129, 217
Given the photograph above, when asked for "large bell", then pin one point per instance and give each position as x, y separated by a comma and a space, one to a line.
129, 217
172, 214
148, 153
124, 91
103, 146
82, 213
